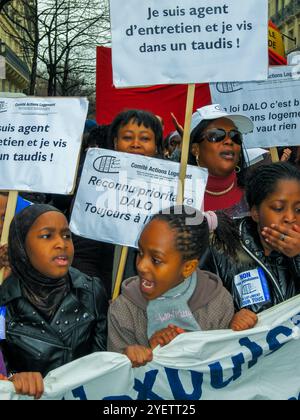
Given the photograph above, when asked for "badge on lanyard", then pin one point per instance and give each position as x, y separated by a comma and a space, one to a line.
2, 322
252, 287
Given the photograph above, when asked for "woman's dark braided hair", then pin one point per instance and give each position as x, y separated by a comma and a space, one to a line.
191, 227
226, 236
263, 181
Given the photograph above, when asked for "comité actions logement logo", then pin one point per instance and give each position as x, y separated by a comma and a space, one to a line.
107, 164
230, 87
3, 106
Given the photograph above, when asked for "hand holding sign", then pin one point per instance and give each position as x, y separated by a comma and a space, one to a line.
243, 320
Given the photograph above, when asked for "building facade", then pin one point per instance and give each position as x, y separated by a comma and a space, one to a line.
17, 67
286, 15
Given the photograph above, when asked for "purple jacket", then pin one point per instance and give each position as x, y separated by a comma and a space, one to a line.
2, 365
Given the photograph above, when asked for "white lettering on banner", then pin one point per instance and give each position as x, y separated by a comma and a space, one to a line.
273, 106
119, 192
252, 364
152, 41
40, 137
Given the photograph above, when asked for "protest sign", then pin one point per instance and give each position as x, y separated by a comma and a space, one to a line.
160, 100
159, 42
253, 156
22, 204
118, 193
261, 363
273, 106
40, 140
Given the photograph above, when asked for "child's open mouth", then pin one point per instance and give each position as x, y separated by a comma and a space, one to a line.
146, 285
61, 260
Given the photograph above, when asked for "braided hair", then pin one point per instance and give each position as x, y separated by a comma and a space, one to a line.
226, 236
191, 227
263, 181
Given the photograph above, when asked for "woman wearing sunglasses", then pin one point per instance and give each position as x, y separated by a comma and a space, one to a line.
216, 140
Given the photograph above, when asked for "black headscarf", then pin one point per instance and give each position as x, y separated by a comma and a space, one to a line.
44, 293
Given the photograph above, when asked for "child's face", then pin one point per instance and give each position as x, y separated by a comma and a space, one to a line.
3, 203
136, 139
159, 265
281, 208
49, 245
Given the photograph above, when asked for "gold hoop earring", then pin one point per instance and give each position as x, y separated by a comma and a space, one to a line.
237, 169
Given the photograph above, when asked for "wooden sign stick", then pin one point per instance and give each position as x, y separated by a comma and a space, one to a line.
185, 142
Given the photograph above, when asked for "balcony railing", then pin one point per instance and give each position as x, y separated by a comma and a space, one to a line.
14, 61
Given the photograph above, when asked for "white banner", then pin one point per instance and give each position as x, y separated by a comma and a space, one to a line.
273, 106
190, 41
262, 363
40, 140
119, 192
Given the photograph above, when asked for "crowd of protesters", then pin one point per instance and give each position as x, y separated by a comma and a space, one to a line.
57, 290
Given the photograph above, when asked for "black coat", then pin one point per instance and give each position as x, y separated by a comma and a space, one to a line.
77, 329
282, 273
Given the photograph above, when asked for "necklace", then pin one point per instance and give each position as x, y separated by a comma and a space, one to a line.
221, 192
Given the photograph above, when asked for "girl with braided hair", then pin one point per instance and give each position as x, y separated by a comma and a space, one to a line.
170, 295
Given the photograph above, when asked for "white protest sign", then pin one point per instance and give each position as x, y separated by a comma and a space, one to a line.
40, 140
273, 106
190, 41
256, 364
118, 193
253, 156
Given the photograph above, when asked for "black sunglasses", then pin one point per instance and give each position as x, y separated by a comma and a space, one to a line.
215, 135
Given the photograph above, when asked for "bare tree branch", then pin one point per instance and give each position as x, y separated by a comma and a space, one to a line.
3, 3
61, 40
